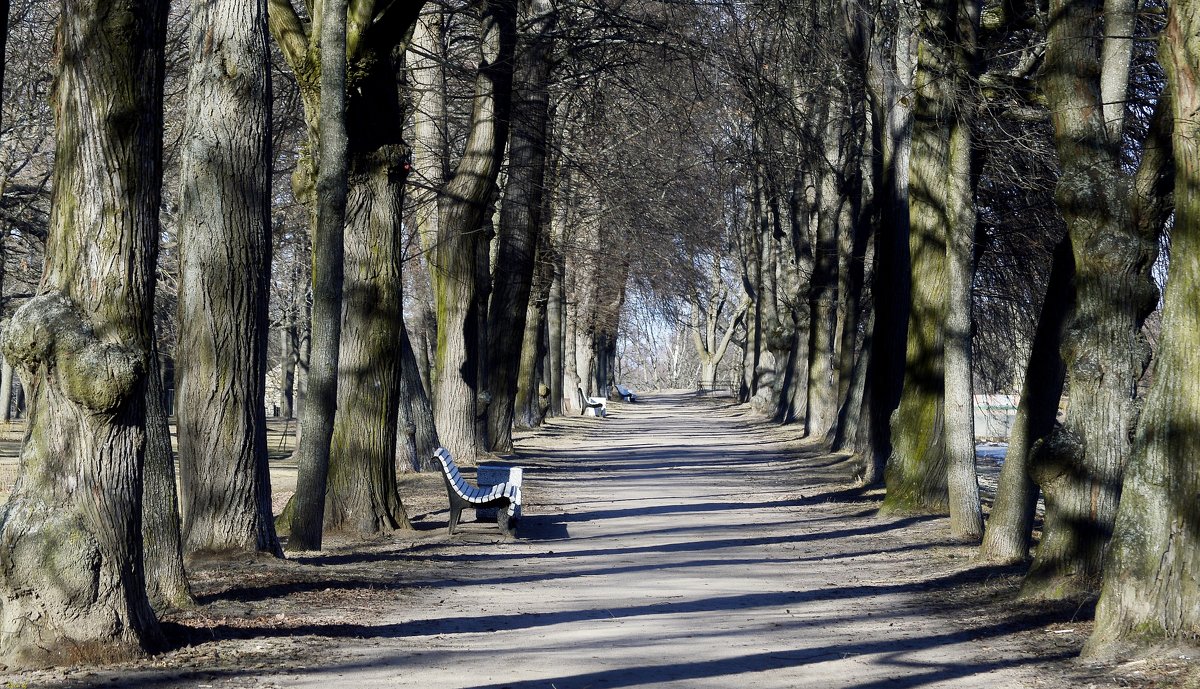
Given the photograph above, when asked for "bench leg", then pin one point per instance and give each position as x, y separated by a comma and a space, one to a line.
455, 514
502, 520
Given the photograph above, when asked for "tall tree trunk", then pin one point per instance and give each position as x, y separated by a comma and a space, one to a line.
462, 206
520, 217
72, 580
287, 366
966, 513
362, 495
225, 259
303, 358
358, 137
1010, 524
821, 382
415, 414
1081, 466
857, 216
6, 388
3, 42
1151, 590
528, 406
570, 310
425, 65
889, 81
916, 471
166, 582
317, 416
555, 327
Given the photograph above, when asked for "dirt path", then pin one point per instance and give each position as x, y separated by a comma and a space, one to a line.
673, 544
678, 546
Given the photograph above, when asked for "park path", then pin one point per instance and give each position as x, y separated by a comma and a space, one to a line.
678, 544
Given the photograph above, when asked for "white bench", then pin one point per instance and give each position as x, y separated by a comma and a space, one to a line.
597, 405
462, 494
626, 394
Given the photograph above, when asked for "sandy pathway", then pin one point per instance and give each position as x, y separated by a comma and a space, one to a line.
677, 547
673, 544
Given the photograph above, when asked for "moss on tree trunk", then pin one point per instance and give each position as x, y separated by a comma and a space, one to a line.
1151, 588
72, 584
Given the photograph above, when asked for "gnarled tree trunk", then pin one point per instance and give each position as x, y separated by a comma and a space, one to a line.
1081, 465
1151, 590
72, 585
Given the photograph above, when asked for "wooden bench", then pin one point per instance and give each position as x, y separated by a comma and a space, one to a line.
626, 394
598, 405
462, 495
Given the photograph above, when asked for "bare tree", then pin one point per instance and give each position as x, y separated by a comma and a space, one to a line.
1151, 592
82, 345
225, 249
460, 395
1080, 467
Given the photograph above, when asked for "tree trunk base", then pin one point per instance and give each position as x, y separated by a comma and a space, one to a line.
63, 603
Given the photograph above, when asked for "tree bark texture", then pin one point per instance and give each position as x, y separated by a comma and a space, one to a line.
520, 216
1151, 590
425, 66
462, 205
1115, 58
854, 411
287, 368
6, 388
555, 328
72, 585
360, 158
225, 259
317, 417
1010, 524
966, 513
1081, 465
890, 76
416, 433
166, 581
533, 392
3, 43
821, 384
916, 472
570, 324
303, 359
362, 495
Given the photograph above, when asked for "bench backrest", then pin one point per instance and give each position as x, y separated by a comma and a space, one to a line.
450, 469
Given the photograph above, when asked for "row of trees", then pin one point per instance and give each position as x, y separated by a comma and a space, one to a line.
394, 122
475, 190
919, 175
